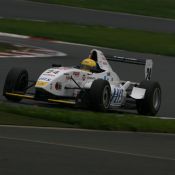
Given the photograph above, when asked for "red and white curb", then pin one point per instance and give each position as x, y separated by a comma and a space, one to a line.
31, 53
28, 51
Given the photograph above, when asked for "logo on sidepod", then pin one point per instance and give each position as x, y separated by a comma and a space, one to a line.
58, 86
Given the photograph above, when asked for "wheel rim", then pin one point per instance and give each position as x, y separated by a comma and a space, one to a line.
156, 98
106, 96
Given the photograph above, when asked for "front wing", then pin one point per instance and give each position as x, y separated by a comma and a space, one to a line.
32, 97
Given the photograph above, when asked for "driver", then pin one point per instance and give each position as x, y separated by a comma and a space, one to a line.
88, 64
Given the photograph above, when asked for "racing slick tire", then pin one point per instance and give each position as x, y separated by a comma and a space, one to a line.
151, 103
100, 95
16, 82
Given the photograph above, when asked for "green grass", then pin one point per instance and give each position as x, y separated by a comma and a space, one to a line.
39, 116
160, 8
7, 118
131, 40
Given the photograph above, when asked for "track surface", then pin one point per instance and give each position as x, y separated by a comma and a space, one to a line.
36, 11
63, 151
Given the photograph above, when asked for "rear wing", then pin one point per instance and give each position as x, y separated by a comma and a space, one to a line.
148, 63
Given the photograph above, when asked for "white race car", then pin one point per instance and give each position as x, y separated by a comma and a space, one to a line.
100, 89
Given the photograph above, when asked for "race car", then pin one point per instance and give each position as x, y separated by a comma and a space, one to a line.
92, 84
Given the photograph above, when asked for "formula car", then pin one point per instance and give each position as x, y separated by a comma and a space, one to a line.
99, 89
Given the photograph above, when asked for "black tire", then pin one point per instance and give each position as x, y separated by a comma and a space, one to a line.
16, 82
150, 105
100, 95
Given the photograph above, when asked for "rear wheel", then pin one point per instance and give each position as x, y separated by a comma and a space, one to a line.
150, 105
100, 94
16, 82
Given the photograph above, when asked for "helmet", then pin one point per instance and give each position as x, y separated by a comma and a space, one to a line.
88, 64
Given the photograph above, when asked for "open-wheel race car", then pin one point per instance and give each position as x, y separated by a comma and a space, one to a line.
93, 84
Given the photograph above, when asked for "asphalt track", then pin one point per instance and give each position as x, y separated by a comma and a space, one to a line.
25, 150
23, 9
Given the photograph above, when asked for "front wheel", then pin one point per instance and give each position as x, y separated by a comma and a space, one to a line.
150, 105
16, 82
100, 95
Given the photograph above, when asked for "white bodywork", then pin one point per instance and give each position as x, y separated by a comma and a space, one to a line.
59, 81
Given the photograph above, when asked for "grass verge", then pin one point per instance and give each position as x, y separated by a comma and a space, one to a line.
39, 116
131, 40
160, 8
7, 118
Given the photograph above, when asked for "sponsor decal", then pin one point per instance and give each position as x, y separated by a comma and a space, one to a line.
68, 77
44, 79
49, 71
41, 83
105, 78
56, 72
91, 78
105, 63
102, 57
52, 71
58, 86
64, 68
49, 75
117, 96
76, 74
84, 77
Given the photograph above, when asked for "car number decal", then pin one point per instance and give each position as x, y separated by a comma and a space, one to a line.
117, 96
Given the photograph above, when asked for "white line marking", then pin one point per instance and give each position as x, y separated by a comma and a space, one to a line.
30, 19
88, 148
14, 35
84, 130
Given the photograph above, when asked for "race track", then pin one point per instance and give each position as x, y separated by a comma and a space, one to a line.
30, 151
26, 150
23, 9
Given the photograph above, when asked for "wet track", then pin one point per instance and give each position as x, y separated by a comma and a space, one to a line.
63, 151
